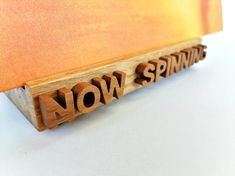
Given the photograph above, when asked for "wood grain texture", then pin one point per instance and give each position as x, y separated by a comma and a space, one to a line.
28, 101
39, 38
23, 99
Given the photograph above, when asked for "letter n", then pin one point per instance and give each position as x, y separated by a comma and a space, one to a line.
56, 112
185, 59
175, 64
112, 85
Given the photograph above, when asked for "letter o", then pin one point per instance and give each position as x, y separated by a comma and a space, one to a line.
87, 97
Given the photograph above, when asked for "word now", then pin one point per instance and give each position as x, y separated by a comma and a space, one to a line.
83, 98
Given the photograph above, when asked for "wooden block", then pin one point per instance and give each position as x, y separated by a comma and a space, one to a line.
53, 100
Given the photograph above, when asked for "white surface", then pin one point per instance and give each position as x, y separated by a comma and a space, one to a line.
183, 126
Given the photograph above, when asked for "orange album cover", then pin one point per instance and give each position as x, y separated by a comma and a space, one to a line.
41, 37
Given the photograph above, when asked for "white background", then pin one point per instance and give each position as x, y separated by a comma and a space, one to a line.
183, 126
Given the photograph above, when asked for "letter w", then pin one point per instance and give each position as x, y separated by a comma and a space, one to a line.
112, 85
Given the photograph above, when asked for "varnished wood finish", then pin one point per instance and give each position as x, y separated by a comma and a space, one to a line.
87, 97
111, 85
146, 77
52, 112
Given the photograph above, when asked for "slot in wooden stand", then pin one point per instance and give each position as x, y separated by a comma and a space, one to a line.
53, 100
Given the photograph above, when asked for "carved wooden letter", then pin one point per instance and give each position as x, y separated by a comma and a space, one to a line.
160, 67
195, 54
87, 97
202, 53
112, 85
54, 113
145, 73
175, 64
185, 60
190, 57
167, 59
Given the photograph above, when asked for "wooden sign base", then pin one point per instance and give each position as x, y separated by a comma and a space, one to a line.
53, 100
